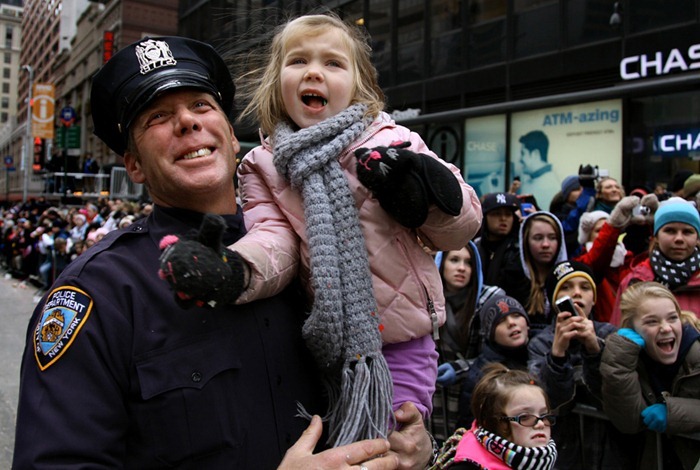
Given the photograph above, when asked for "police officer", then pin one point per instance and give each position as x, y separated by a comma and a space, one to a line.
115, 374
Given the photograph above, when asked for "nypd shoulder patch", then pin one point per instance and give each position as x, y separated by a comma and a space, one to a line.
65, 312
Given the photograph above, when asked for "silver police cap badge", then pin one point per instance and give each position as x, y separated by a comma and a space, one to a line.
153, 55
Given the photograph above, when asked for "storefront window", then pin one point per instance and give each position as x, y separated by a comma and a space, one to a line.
664, 137
485, 154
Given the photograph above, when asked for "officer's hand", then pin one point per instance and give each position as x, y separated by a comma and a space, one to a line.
367, 454
411, 444
446, 374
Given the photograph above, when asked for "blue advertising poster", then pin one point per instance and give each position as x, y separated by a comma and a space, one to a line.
547, 145
485, 153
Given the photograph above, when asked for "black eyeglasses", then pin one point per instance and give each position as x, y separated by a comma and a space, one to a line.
531, 420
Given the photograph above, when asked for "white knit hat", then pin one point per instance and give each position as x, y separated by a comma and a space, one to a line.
587, 222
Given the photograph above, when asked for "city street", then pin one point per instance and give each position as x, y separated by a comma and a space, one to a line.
17, 306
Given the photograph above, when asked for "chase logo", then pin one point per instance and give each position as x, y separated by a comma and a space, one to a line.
65, 312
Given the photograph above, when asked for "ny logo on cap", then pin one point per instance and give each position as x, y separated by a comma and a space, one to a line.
154, 54
501, 198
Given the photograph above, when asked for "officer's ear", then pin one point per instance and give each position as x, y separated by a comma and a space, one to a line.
132, 163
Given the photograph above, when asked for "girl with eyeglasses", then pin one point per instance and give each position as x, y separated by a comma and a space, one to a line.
512, 426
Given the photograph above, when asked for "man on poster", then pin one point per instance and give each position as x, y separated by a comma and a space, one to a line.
539, 180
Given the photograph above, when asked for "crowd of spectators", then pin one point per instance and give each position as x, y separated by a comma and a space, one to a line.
594, 243
40, 239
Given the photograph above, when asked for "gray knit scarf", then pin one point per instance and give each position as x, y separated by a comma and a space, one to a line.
342, 330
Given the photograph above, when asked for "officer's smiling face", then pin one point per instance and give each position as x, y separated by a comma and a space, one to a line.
184, 150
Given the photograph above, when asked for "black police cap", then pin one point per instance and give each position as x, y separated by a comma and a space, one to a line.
144, 70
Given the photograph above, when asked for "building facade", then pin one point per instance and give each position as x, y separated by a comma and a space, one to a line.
607, 83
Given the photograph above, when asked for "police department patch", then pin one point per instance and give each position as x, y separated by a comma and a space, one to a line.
65, 313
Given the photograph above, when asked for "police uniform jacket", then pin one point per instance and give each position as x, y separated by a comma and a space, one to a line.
116, 375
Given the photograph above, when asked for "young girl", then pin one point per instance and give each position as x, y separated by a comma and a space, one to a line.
674, 258
460, 338
512, 428
651, 375
541, 247
376, 293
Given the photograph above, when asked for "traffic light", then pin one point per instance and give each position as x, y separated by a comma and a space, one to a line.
38, 163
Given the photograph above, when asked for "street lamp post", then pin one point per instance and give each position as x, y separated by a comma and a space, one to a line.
26, 161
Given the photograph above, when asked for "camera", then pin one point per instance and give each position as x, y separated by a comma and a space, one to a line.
641, 210
565, 304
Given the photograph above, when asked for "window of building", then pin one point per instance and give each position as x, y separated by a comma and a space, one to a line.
5, 87
446, 51
588, 21
3, 117
536, 27
7, 57
4, 102
486, 42
6, 72
410, 42
645, 15
379, 27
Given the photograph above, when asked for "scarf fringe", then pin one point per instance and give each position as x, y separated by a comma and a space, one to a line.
361, 404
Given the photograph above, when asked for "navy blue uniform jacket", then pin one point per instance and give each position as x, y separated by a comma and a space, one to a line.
116, 375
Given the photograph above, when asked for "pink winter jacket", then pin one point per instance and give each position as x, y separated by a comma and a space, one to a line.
405, 280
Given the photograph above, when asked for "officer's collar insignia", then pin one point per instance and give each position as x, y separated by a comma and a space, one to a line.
65, 312
153, 55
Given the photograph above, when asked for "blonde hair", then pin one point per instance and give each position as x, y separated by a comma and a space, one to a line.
536, 300
494, 391
636, 294
262, 84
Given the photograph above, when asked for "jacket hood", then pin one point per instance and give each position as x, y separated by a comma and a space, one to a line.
561, 255
439, 257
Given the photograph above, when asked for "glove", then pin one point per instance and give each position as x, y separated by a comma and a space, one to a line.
621, 215
651, 202
655, 417
587, 175
632, 335
446, 374
200, 269
406, 183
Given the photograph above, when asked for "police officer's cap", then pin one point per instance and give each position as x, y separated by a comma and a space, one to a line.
142, 71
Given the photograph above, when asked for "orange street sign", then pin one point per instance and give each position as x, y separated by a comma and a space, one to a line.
43, 111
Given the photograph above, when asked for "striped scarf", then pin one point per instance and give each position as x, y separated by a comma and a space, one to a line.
515, 456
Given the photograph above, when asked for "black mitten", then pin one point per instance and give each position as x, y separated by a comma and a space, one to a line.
587, 175
406, 183
200, 269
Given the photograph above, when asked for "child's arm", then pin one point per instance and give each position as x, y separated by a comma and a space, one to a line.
441, 231
421, 191
413, 366
623, 399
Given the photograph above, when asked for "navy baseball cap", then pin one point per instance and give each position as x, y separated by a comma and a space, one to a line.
494, 201
144, 70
